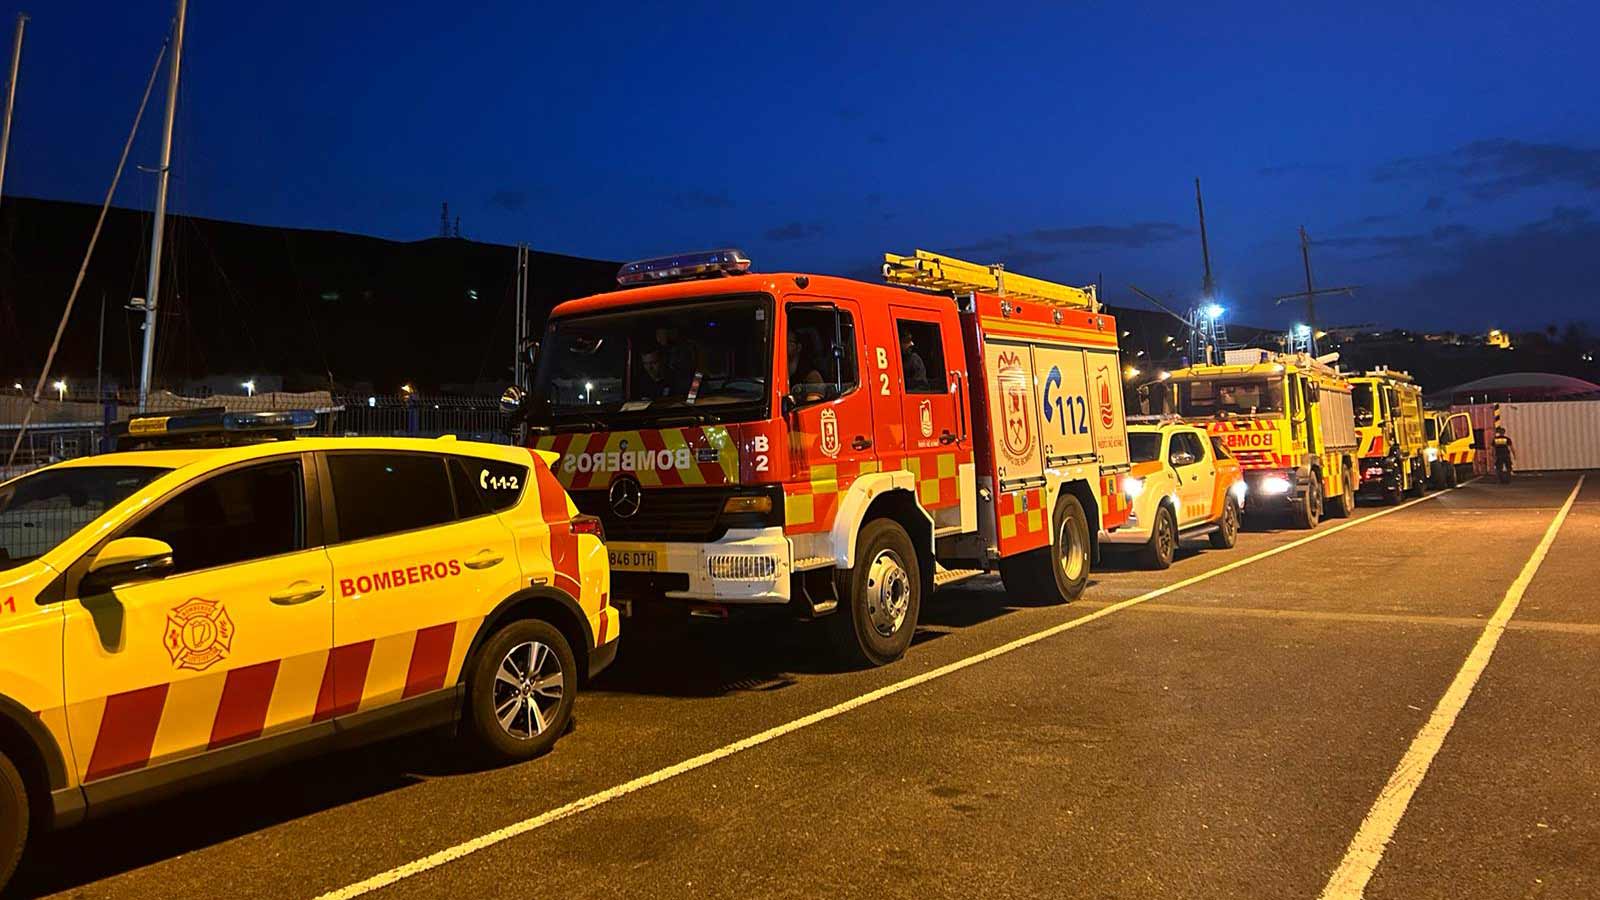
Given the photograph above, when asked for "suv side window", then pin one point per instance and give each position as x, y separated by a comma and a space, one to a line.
1218, 449
235, 517
1186, 442
922, 357
486, 485
385, 493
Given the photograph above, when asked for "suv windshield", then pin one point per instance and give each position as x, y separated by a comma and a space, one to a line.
1364, 399
42, 509
707, 359
1206, 397
1144, 446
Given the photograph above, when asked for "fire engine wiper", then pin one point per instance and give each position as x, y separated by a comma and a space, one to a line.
698, 418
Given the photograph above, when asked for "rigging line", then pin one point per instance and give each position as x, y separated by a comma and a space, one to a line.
310, 313
88, 254
232, 292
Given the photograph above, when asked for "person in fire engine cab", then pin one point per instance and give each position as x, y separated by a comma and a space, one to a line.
805, 381
1504, 454
911, 362
679, 356
652, 382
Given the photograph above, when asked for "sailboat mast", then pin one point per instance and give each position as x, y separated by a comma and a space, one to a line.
158, 229
11, 93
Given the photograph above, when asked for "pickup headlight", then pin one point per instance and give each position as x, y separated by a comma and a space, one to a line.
1238, 490
1432, 453
1132, 486
1275, 485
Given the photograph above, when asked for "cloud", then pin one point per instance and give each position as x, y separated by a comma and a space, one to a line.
1542, 271
1136, 236
1398, 244
796, 231
509, 199
702, 200
1494, 168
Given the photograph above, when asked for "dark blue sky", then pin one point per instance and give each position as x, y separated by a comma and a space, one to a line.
1445, 156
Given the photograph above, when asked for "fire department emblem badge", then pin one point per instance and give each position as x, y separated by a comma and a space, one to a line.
925, 417
1017, 437
1102, 384
199, 634
830, 433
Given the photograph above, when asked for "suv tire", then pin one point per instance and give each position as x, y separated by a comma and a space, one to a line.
1158, 552
13, 818
520, 690
884, 596
1060, 571
1227, 533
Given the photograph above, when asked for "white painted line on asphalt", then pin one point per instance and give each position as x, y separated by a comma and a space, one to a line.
1349, 881
466, 848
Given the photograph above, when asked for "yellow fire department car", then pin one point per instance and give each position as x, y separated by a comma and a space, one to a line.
1389, 416
1285, 416
221, 598
1184, 484
1450, 449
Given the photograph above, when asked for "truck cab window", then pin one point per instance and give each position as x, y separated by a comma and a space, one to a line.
820, 353
922, 357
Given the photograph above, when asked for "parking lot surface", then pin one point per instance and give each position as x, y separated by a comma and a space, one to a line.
1225, 728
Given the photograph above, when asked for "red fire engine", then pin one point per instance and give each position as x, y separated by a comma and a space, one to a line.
831, 445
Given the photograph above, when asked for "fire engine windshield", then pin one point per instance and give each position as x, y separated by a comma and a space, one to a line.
708, 360
1207, 397
42, 509
1365, 400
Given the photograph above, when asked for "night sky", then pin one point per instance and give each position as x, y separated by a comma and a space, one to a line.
1446, 157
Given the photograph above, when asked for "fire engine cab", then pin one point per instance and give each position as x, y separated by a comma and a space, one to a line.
837, 447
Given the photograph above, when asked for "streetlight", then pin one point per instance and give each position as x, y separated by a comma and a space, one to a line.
249, 387
1213, 311
1131, 372
406, 388
588, 386
61, 389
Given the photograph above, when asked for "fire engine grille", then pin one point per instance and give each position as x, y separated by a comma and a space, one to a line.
665, 514
743, 568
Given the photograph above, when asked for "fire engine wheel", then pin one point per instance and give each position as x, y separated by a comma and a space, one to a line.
13, 818
885, 596
519, 700
1308, 512
1057, 573
1163, 544
1344, 505
1227, 533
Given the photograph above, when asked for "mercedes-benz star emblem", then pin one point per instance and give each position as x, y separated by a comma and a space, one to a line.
625, 497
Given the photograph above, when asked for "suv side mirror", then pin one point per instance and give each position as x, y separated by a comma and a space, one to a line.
127, 560
1182, 458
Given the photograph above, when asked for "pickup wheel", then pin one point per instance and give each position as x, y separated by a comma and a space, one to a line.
1418, 484
1158, 552
1227, 533
1057, 573
1308, 512
884, 591
519, 698
13, 818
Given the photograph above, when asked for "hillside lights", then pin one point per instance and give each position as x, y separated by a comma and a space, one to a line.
1275, 484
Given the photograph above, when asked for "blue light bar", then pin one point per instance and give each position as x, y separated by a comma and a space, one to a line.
215, 423
684, 267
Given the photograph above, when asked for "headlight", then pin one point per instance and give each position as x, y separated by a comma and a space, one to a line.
1238, 490
1275, 485
1133, 487
1431, 453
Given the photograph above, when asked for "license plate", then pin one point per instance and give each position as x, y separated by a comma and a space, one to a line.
633, 560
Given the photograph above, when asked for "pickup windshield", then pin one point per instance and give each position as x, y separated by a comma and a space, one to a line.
41, 509
1203, 398
705, 360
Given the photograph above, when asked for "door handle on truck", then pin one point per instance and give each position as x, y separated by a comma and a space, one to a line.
860, 443
483, 560
947, 437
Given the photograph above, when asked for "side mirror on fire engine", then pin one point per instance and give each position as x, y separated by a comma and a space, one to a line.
530, 352
788, 404
511, 400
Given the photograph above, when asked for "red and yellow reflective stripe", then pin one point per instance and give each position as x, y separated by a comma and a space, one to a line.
591, 460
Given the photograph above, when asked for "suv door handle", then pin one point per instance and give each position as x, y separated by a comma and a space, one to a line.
860, 443
947, 437
483, 560
299, 592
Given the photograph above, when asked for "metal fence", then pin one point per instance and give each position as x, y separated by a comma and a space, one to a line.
62, 428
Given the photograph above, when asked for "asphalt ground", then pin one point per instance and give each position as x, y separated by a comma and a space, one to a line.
1226, 738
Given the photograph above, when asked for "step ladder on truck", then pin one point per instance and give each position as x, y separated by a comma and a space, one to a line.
832, 447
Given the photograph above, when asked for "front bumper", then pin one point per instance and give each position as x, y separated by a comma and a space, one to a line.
1273, 490
744, 566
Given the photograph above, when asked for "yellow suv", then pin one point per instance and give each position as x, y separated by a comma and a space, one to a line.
223, 596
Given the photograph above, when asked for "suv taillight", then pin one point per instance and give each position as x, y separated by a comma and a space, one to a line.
582, 524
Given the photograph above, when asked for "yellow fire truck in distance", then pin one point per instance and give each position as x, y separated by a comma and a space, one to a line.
1388, 410
1286, 417
1451, 448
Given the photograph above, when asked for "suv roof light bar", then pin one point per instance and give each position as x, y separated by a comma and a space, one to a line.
209, 427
